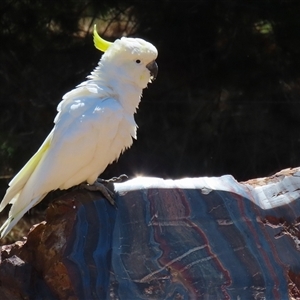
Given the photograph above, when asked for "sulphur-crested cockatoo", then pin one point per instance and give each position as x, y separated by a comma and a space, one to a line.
93, 126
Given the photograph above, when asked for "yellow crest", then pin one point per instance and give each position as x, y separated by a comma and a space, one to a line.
99, 42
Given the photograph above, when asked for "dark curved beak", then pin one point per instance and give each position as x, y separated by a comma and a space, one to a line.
153, 68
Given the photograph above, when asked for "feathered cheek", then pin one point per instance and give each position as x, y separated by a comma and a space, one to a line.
145, 79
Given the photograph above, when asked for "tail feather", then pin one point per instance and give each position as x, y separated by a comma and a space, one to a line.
12, 220
15, 193
18, 182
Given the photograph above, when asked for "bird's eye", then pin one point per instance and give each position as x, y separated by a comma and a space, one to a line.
137, 61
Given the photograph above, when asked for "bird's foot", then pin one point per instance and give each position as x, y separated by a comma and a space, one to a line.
106, 187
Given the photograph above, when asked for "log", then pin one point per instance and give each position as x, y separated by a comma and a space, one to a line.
193, 238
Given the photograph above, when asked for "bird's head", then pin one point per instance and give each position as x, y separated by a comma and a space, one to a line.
130, 59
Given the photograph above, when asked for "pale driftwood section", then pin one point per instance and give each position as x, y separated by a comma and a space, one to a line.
193, 238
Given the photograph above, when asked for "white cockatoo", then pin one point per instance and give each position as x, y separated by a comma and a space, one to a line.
94, 125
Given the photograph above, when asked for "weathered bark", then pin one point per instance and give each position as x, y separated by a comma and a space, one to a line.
211, 238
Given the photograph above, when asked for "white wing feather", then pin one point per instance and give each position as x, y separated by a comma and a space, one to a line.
89, 134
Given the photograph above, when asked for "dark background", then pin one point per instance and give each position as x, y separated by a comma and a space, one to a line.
227, 96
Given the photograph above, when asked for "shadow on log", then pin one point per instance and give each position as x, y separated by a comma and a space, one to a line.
195, 238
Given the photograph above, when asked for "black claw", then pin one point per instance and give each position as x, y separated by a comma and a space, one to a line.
103, 188
106, 187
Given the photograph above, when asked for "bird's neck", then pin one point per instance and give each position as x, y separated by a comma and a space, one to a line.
126, 92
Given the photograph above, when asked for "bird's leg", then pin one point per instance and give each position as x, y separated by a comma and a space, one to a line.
100, 186
106, 187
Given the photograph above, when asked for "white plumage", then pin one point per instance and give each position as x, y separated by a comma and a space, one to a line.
94, 125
